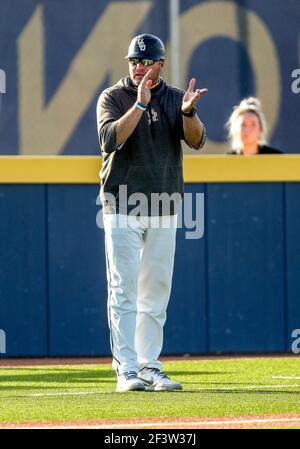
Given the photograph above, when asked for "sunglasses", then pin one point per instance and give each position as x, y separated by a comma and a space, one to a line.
135, 61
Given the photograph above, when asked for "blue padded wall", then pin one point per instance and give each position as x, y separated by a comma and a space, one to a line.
236, 289
77, 278
293, 260
185, 330
246, 267
23, 287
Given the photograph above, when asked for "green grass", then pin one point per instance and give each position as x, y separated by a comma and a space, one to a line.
227, 387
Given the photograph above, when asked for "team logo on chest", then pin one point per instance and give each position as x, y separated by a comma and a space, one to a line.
141, 44
154, 114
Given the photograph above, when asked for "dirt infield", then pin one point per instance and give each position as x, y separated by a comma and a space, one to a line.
196, 422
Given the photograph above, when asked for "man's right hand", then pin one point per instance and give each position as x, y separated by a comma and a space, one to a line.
144, 93
128, 122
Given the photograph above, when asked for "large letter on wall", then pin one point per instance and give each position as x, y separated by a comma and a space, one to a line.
44, 129
218, 19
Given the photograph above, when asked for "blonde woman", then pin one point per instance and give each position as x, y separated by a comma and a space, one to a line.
247, 129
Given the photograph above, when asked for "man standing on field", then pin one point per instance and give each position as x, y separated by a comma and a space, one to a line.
141, 122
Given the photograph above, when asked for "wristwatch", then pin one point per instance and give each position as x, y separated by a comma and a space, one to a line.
189, 114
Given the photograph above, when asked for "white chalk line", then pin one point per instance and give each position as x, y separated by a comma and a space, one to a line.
244, 387
83, 393
68, 393
286, 377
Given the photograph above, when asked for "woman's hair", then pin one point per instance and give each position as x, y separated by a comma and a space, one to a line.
233, 125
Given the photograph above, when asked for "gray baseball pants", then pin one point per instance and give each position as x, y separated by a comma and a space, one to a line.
139, 261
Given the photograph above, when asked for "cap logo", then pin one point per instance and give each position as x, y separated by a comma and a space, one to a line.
141, 44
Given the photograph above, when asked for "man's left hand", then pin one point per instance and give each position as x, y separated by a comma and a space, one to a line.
191, 97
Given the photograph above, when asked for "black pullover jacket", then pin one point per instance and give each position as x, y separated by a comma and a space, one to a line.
150, 161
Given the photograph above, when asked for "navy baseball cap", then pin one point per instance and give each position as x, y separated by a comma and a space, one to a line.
146, 46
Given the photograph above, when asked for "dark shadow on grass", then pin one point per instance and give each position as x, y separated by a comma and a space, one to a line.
60, 376
80, 376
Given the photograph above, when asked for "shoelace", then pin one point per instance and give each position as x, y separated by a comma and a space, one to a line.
130, 375
160, 373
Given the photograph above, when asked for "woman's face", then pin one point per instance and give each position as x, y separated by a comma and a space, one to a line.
250, 129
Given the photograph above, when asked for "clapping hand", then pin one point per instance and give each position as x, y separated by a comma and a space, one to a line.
191, 97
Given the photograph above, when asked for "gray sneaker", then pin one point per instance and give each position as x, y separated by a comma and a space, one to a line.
129, 381
156, 380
